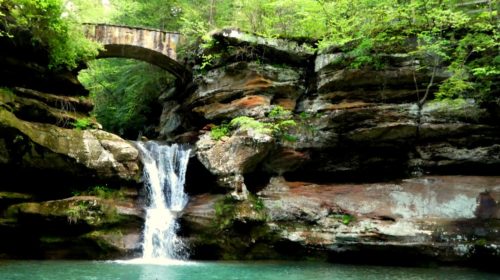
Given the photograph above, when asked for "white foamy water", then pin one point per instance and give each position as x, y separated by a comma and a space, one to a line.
164, 176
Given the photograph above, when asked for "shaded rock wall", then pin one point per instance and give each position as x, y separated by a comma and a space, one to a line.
54, 200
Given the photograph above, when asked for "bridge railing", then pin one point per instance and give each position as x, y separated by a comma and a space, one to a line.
130, 27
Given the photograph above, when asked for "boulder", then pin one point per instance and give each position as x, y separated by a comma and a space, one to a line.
449, 158
79, 153
82, 227
238, 154
399, 72
358, 98
460, 111
401, 77
88, 211
232, 157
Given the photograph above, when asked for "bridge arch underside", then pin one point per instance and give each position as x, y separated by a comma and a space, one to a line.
147, 55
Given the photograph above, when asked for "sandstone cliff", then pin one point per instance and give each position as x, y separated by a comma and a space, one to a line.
363, 169
313, 159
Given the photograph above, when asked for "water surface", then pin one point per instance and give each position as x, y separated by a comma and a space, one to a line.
59, 270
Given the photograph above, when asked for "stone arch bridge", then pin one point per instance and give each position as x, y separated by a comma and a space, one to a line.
155, 46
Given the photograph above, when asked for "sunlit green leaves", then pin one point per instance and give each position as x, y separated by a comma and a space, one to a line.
49, 28
125, 93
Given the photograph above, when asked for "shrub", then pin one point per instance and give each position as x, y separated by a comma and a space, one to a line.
106, 192
249, 123
82, 124
279, 112
278, 127
217, 132
101, 191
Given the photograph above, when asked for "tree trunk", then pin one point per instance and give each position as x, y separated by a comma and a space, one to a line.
211, 18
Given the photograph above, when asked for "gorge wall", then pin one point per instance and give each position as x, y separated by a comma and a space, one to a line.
332, 162
362, 170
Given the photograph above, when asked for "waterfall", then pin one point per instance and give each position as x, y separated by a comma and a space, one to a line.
164, 175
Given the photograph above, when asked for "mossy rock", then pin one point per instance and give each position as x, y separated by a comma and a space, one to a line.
79, 153
124, 241
88, 210
14, 196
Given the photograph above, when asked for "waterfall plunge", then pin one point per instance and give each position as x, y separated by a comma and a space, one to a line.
164, 175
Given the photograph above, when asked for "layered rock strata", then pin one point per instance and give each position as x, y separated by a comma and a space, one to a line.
365, 169
69, 189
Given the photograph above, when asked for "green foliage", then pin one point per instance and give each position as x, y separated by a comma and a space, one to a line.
281, 129
53, 28
76, 193
208, 60
362, 54
152, 13
219, 131
106, 193
448, 37
481, 242
225, 210
249, 123
76, 212
346, 219
2, 19
228, 209
257, 202
18, 139
277, 128
101, 191
91, 212
82, 124
457, 86
279, 112
126, 94
278, 125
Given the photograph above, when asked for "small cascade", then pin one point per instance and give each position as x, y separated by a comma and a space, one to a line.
164, 176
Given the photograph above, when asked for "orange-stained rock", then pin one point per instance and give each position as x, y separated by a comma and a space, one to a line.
252, 105
246, 89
